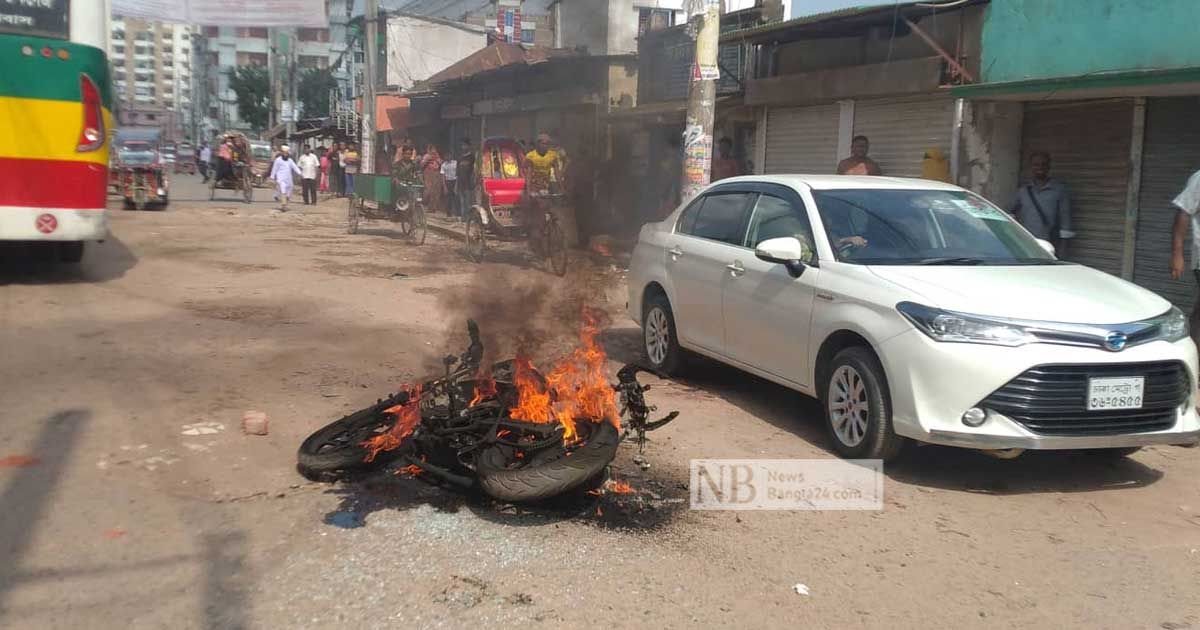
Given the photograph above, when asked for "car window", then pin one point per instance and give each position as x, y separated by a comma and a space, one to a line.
687, 219
777, 218
722, 217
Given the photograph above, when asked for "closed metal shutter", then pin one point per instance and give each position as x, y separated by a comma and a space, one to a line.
1169, 157
1088, 142
802, 140
901, 131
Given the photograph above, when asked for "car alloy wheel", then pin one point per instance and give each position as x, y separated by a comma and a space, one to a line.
658, 335
849, 409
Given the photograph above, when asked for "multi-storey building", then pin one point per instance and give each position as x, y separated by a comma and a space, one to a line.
152, 75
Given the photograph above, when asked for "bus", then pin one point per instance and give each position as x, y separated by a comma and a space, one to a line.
55, 120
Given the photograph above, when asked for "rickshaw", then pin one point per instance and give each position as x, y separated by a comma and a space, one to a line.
142, 180
239, 176
508, 210
381, 198
185, 158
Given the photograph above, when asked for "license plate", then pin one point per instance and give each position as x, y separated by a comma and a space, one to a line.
1115, 393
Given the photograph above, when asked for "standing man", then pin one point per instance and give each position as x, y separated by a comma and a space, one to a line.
350, 162
450, 176
465, 178
1188, 203
336, 178
282, 172
310, 168
859, 163
725, 165
205, 158
1043, 205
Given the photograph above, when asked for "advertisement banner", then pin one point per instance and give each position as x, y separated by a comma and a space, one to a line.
44, 18
257, 13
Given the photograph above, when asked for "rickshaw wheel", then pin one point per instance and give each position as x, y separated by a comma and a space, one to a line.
556, 248
212, 188
476, 237
352, 217
418, 231
248, 189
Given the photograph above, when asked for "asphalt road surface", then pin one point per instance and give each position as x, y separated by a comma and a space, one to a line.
129, 497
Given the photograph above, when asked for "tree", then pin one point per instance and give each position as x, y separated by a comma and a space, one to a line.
253, 89
313, 91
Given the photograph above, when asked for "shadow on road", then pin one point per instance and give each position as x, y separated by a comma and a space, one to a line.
225, 598
26, 498
33, 264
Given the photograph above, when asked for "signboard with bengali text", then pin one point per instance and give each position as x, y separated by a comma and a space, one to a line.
256, 13
43, 18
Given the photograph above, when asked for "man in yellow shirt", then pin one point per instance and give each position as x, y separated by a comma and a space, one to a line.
544, 168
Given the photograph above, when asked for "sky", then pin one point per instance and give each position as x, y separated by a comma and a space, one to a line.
801, 8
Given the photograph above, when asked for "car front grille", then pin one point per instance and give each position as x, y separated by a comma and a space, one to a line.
1052, 399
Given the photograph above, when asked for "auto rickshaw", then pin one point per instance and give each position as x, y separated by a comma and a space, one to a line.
142, 180
508, 210
263, 155
238, 176
185, 158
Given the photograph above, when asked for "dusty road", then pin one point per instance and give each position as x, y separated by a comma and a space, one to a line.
129, 497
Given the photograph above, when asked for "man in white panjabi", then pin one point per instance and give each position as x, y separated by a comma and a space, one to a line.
283, 173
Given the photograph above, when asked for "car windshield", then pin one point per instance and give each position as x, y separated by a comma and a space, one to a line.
136, 153
923, 227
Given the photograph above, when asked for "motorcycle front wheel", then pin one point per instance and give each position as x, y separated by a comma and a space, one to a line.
550, 472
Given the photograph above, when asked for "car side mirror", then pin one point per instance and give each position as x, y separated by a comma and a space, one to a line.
1046, 245
788, 251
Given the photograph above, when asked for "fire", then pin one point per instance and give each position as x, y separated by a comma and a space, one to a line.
485, 388
620, 487
408, 416
575, 388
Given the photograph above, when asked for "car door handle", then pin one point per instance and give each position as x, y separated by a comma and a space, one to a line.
735, 268
675, 253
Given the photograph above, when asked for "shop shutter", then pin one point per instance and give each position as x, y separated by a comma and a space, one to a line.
902, 130
1088, 142
1170, 156
802, 139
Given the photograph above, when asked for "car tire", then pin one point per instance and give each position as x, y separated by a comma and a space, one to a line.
660, 341
857, 407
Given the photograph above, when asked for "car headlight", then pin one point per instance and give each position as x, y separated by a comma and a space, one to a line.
949, 326
1174, 325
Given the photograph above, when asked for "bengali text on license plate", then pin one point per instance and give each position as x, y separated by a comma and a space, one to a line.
1115, 393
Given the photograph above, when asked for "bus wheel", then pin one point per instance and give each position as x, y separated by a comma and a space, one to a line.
70, 252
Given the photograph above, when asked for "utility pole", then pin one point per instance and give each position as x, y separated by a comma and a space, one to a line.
705, 16
292, 91
368, 118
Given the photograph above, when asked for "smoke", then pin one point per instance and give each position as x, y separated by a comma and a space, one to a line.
525, 312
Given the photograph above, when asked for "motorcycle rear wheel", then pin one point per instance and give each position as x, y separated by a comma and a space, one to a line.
508, 479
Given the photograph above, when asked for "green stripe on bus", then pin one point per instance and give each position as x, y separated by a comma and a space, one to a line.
35, 76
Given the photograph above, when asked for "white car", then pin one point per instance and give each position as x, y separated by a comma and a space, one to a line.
913, 309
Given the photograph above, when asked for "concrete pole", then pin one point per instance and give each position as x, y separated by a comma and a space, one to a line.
367, 154
702, 96
273, 77
292, 90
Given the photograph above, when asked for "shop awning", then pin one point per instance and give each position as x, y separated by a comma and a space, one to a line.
1175, 82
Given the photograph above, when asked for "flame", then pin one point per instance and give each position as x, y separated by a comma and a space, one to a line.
620, 487
575, 388
408, 416
411, 470
485, 388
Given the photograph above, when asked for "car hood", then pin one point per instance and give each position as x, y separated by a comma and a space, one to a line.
1055, 293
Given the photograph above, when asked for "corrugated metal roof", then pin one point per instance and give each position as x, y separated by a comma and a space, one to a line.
499, 55
842, 14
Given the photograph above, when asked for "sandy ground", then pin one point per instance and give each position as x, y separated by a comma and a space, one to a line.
144, 506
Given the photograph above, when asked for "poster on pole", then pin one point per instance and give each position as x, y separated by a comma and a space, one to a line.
257, 13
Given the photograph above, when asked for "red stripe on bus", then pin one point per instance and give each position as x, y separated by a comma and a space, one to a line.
53, 184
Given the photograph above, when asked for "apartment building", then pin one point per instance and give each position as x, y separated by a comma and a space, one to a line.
152, 75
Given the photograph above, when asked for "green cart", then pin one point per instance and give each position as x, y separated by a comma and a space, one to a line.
377, 197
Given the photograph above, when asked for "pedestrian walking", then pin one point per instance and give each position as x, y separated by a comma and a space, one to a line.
465, 178
1043, 204
1188, 216
324, 186
450, 176
336, 176
431, 175
310, 168
205, 158
859, 163
282, 172
350, 164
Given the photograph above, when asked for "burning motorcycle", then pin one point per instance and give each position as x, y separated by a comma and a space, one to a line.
513, 432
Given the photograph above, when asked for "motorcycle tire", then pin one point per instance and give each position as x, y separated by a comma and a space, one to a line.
335, 451
536, 482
